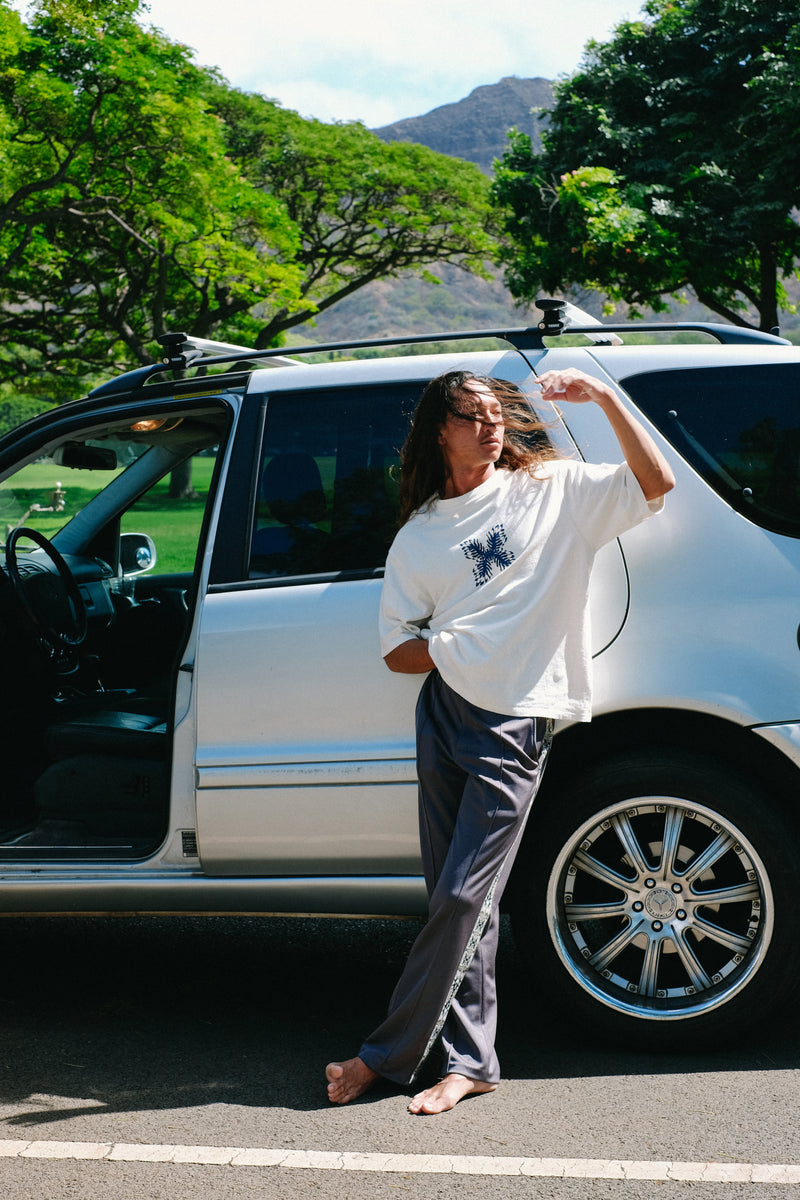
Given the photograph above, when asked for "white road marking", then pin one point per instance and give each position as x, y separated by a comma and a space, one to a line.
431, 1164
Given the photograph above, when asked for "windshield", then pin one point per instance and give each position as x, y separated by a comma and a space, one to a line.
46, 494
152, 476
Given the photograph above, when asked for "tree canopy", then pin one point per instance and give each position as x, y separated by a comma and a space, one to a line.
141, 192
670, 161
364, 209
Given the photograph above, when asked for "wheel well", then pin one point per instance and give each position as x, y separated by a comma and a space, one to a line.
584, 744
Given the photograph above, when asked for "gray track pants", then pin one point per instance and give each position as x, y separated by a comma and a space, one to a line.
478, 773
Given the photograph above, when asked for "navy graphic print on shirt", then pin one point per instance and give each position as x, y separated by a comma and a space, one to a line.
487, 557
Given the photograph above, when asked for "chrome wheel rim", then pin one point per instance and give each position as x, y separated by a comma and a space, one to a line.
660, 910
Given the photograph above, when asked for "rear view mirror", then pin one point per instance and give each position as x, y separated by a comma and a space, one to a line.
85, 458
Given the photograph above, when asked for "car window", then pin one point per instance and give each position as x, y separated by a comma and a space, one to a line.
739, 427
171, 512
328, 480
45, 495
147, 479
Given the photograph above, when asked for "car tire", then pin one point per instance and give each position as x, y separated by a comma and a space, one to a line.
657, 900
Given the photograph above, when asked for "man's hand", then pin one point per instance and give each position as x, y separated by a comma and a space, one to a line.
641, 453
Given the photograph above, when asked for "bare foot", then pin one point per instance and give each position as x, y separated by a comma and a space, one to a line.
446, 1094
348, 1080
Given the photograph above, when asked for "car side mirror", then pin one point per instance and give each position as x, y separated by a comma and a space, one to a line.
137, 553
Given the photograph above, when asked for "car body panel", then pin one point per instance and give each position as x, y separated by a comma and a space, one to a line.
292, 749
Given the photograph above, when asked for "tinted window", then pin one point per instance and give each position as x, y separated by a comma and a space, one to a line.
328, 490
739, 427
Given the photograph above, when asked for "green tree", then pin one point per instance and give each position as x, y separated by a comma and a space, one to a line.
139, 192
14, 409
670, 161
121, 211
365, 209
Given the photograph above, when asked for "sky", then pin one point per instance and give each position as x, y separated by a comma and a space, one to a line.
378, 61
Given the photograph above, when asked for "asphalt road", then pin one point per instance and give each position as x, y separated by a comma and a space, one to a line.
213, 1032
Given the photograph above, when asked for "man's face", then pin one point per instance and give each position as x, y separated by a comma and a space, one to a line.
473, 437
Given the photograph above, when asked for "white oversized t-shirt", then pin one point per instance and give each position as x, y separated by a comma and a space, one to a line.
497, 581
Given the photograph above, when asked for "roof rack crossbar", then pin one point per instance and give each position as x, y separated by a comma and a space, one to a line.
528, 338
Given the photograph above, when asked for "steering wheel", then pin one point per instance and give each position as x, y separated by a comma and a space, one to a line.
52, 601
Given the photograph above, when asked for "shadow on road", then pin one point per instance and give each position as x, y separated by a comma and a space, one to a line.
159, 1013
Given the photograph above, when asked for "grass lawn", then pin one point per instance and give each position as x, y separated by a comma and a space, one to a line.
174, 525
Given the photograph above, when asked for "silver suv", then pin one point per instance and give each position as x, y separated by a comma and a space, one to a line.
196, 716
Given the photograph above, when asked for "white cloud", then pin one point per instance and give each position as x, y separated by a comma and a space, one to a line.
381, 60
328, 102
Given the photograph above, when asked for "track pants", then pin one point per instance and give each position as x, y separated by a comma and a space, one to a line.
478, 774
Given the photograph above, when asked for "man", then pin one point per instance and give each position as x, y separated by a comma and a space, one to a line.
486, 592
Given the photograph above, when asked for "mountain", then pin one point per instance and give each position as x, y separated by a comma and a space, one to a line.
410, 305
476, 127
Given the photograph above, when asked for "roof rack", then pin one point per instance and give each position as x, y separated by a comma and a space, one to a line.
190, 348
182, 351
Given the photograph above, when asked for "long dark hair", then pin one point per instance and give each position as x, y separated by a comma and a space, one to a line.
423, 474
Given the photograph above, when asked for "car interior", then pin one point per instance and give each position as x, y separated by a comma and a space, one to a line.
96, 596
